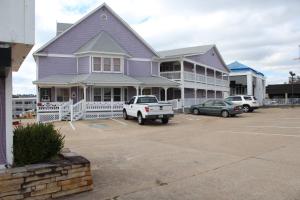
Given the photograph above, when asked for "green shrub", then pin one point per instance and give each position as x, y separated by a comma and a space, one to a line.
36, 143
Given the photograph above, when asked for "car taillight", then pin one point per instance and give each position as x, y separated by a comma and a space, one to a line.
236, 108
147, 109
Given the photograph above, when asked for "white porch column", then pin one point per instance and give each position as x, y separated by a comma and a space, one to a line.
215, 77
166, 93
249, 84
195, 95
215, 94
142, 88
206, 93
137, 90
84, 93
182, 83
8, 123
195, 72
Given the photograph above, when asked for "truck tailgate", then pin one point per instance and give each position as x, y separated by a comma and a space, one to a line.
160, 109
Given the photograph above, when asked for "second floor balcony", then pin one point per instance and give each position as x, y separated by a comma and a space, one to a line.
193, 73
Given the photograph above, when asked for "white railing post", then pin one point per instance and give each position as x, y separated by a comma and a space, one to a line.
71, 112
60, 113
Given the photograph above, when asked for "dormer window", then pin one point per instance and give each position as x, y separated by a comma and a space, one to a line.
106, 64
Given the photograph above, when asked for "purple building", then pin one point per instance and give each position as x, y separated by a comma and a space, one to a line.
93, 66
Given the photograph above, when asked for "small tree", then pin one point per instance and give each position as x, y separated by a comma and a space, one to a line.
36, 143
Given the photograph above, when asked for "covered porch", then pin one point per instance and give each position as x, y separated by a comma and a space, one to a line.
94, 96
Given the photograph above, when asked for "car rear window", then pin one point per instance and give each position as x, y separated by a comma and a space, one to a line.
247, 98
147, 100
228, 103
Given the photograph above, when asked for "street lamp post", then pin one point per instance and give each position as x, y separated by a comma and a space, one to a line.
292, 75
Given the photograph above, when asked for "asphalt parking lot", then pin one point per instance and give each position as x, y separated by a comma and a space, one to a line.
253, 156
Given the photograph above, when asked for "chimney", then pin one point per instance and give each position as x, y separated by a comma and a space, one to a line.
61, 27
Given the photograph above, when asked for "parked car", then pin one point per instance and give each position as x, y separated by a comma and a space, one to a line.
147, 107
217, 107
249, 103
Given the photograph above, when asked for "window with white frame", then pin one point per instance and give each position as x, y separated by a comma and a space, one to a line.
117, 94
107, 64
97, 94
62, 94
116, 64
97, 64
106, 94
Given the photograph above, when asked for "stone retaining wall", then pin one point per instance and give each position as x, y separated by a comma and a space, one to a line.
66, 176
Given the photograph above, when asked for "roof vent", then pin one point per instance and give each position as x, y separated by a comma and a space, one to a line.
104, 17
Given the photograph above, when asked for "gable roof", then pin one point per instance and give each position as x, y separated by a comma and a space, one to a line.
237, 67
103, 43
104, 5
185, 51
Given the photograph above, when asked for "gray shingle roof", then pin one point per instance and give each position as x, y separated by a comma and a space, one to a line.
106, 79
185, 51
104, 43
157, 81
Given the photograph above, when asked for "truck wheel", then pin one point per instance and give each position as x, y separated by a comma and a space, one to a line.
165, 120
141, 121
125, 116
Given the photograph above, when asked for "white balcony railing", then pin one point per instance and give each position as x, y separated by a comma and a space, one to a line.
210, 80
174, 75
189, 76
200, 78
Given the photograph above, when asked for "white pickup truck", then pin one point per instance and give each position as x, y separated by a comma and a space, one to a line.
147, 107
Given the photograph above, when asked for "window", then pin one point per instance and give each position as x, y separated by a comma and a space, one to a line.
106, 64
131, 100
208, 103
27, 102
147, 91
219, 103
117, 94
117, 64
62, 94
45, 94
19, 102
19, 109
247, 98
97, 94
107, 94
236, 99
146, 100
125, 94
97, 64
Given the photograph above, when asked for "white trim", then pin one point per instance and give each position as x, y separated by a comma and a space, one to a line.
77, 64
111, 64
91, 13
55, 55
127, 66
96, 53
151, 68
140, 59
8, 111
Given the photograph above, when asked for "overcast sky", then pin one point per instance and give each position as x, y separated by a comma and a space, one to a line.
262, 34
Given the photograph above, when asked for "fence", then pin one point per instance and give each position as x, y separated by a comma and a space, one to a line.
281, 101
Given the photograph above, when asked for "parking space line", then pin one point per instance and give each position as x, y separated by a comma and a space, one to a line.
72, 126
259, 133
297, 127
120, 122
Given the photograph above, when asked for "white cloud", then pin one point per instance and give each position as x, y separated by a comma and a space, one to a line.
262, 34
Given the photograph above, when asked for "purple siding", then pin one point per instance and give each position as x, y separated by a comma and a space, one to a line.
90, 27
139, 68
210, 58
2, 122
84, 65
53, 65
155, 70
131, 92
125, 67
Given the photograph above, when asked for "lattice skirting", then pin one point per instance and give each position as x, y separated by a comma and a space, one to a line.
103, 115
48, 117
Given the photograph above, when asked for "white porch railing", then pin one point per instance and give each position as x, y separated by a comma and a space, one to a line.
210, 80
171, 75
200, 78
77, 110
64, 110
102, 110
189, 76
49, 106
